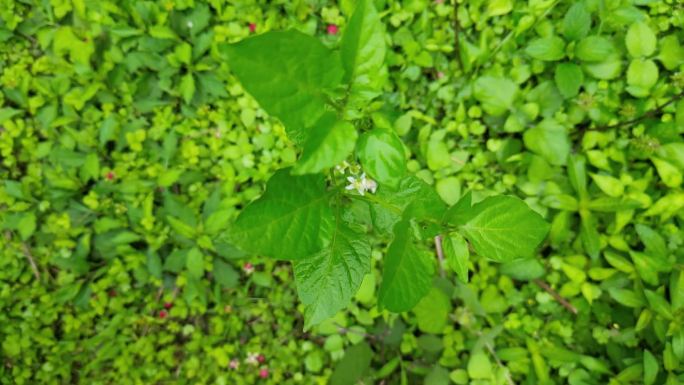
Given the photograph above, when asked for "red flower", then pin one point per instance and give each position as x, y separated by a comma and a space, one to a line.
110, 175
248, 268
261, 358
163, 314
252, 27
332, 29
168, 305
263, 373
112, 293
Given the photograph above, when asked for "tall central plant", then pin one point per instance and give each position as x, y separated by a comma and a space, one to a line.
319, 213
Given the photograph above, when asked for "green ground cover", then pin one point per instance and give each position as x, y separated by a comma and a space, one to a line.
127, 146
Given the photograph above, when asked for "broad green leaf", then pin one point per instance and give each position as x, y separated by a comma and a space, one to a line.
328, 279
569, 78
577, 22
353, 366
289, 73
640, 40
224, 274
457, 254
646, 266
363, 54
594, 49
26, 225
495, 94
550, 140
408, 271
577, 173
328, 144
503, 228
641, 76
381, 153
432, 312
549, 48
523, 269
291, 220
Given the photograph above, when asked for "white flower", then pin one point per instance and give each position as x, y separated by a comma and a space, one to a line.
189, 24
361, 184
252, 359
369, 184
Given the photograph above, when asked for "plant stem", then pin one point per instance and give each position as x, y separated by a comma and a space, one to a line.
556, 296
440, 254
27, 253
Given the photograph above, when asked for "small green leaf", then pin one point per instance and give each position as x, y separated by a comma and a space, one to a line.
327, 280
291, 220
353, 366
569, 78
499, 7
611, 186
289, 74
457, 255
479, 366
503, 228
642, 74
187, 87
549, 48
382, 156
671, 53
577, 22
651, 368
640, 40
225, 274
432, 312
195, 263
496, 94
550, 140
655, 244
658, 304
408, 271
523, 269
328, 144
668, 173
589, 235
594, 49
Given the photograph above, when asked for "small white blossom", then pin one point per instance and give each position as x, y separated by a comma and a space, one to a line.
252, 359
190, 24
361, 184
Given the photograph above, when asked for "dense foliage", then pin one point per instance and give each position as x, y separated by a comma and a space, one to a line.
127, 146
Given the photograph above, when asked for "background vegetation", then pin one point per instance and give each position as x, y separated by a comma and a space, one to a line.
126, 146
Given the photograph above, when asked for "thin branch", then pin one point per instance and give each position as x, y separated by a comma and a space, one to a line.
440, 254
344, 330
27, 253
556, 296
648, 114
490, 348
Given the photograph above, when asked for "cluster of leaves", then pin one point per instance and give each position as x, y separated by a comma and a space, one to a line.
117, 185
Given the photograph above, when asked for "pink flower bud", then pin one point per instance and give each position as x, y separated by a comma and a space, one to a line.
263, 373
252, 27
332, 29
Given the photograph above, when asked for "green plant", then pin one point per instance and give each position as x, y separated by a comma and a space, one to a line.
307, 214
